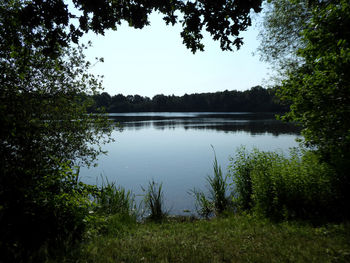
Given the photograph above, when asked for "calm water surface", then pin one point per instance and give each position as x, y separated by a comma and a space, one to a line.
175, 148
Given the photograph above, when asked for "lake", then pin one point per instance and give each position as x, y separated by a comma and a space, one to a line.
175, 149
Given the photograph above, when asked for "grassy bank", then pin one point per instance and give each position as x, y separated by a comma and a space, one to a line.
282, 209
276, 199
231, 239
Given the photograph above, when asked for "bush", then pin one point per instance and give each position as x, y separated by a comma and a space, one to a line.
278, 187
45, 218
241, 167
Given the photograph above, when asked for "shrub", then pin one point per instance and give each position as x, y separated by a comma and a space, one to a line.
51, 216
278, 187
240, 168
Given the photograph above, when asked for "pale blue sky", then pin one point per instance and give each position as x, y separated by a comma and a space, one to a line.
153, 61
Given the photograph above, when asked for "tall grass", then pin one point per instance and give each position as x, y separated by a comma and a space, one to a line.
279, 187
154, 201
217, 201
114, 209
217, 189
112, 199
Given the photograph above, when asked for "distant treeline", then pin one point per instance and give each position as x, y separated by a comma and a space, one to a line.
257, 99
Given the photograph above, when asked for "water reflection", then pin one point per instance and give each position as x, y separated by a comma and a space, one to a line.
253, 123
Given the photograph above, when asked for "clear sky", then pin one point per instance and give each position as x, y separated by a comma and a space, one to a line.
153, 61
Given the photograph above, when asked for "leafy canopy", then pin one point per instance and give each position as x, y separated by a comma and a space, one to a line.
315, 35
281, 33
320, 89
223, 19
44, 133
309, 41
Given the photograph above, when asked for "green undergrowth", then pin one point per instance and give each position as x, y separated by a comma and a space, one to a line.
225, 239
279, 209
301, 186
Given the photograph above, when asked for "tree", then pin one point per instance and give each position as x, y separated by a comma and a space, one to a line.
315, 37
318, 86
320, 89
102, 100
310, 41
281, 34
45, 132
223, 19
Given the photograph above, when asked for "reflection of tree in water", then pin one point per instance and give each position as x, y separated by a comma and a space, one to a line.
254, 124
136, 125
275, 128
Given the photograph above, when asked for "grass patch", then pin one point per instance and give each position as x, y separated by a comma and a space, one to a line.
231, 239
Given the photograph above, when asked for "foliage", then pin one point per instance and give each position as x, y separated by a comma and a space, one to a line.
222, 19
274, 186
319, 87
154, 201
281, 33
38, 221
115, 225
218, 188
240, 168
320, 91
45, 132
257, 99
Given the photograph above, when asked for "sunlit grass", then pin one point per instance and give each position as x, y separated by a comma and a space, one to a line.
231, 239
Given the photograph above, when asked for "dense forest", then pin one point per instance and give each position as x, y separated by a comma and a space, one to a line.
257, 99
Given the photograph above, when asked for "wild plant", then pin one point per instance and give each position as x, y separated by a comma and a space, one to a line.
217, 189
217, 201
240, 168
112, 199
204, 206
154, 200
280, 187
